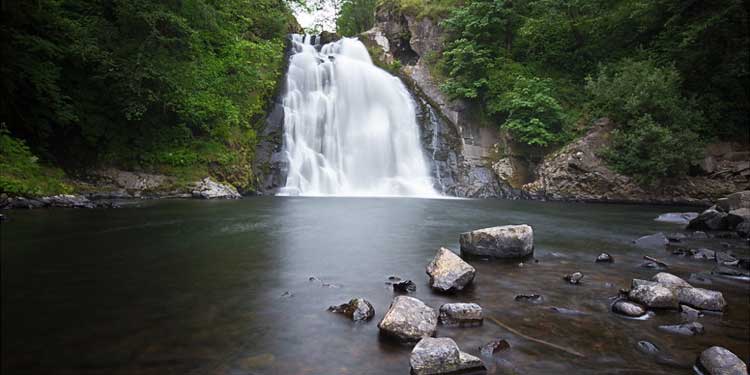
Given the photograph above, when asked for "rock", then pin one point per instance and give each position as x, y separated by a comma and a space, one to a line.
209, 189
717, 360
510, 241
677, 217
448, 272
357, 309
442, 356
710, 219
730, 271
653, 265
689, 314
67, 200
646, 347
699, 235
736, 217
405, 286
708, 164
703, 299
654, 296
687, 329
604, 258
494, 346
725, 259
652, 241
532, 298
703, 254
574, 278
564, 311
460, 313
628, 308
743, 229
638, 282
734, 201
408, 319
670, 281
675, 237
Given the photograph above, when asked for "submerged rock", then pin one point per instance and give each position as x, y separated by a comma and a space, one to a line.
675, 237
604, 258
646, 347
509, 241
574, 278
717, 360
687, 329
689, 314
357, 309
460, 313
654, 296
494, 346
405, 286
532, 298
652, 241
677, 217
448, 272
628, 308
408, 319
209, 189
442, 356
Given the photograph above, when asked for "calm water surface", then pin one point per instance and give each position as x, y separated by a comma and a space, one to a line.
222, 287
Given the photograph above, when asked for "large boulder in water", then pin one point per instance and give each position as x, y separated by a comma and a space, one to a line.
710, 219
670, 281
442, 356
460, 313
717, 360
408, 319
509, 241
703, 299
209, 189
448, 272
654, 296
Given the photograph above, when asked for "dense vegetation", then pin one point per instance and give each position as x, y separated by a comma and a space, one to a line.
177, 86
672, 74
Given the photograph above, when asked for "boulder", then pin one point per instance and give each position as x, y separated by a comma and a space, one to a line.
731, 202
743, 229
702, 299
689, 314
408, 319
628, 308
717, 360
604, 258
670, 281
460, 313
654, 296
677, 217
652, 241
442, 356
736, 217
404, 286
510, 241
357, 309
710, 219
210, 189
448, 272
686, 329
638, 282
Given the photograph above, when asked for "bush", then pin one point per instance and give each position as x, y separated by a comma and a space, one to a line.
21, 173
658, 134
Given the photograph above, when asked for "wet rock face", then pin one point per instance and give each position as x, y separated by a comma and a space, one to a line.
717, 360
628, 308
209, 189
654, 296
460, 313
357, 309
408, 319
448, 272
510, 241
442, 356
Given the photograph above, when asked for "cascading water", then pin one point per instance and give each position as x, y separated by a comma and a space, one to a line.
349, 127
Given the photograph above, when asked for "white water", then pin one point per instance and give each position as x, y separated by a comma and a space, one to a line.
349, 127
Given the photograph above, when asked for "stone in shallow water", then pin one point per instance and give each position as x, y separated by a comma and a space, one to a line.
357, 309
652, 241
654, 296
687, 329
408, 319
717, 360
628, 308
404, 286
703, 299
531, 298
493, 347
448, 272
646, 347
442, 356
574, 278
677, 217
509, 241
689, 314
604, 258
460, 313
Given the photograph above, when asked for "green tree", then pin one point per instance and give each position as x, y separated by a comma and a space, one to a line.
355, 16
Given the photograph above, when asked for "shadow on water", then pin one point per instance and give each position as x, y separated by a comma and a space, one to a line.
178, 287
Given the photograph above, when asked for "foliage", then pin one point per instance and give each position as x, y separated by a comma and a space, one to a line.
433, 9
138, 83
355, 16
659, 128
21, 172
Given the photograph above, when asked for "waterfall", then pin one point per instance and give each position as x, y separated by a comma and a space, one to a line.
349, 127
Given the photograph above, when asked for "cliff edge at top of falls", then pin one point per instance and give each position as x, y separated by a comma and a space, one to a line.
480, 161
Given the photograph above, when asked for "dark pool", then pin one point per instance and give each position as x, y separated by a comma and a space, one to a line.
222, 287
